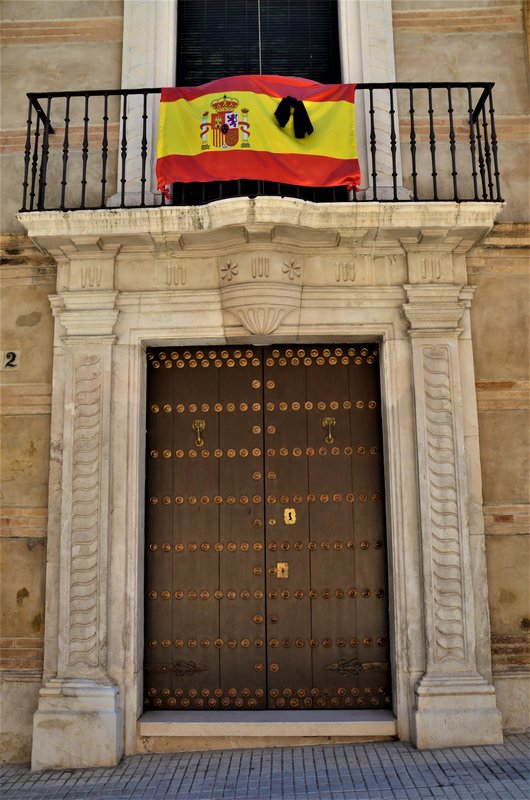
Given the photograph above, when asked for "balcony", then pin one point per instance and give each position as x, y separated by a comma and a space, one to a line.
418, 142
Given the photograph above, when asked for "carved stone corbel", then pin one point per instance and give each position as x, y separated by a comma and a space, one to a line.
264, 314
260, 290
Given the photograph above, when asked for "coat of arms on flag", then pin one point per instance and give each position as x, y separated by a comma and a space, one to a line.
205, 135
224, 123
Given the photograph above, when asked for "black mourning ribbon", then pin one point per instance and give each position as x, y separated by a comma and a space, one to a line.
302, 123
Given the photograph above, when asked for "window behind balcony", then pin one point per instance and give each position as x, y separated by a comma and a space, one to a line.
221, 38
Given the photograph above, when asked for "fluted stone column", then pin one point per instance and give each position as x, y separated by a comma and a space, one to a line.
454, 704
78, 721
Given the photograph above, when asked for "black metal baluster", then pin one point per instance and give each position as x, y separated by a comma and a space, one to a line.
493, 136
34, 164
483, 145
452, 143
104, 149
27, 156
123, 148
65, 152
144, 148
432, 146
487, 152
481, 164
393, 140
84, 153
414, 172
472, 146
373, 143
44, 157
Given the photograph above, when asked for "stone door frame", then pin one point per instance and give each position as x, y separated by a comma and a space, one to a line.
394, 274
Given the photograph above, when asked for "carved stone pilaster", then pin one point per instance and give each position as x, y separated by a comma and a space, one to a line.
85, 645
453, 702
79, 712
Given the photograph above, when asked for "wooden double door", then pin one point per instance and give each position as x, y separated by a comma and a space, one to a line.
265, 570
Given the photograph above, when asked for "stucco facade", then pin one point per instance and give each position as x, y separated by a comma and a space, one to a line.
85, 292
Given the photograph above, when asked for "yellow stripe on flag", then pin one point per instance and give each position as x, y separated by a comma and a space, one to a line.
228, 130
333, 122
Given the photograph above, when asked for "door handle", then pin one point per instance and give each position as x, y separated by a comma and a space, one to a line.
329, 423
198, 425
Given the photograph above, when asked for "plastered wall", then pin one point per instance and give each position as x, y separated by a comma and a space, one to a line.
471, 40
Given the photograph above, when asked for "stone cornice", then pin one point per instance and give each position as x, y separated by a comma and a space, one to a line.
242, 221
435, 309
82, 314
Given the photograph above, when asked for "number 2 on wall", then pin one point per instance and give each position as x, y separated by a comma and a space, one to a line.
9, 359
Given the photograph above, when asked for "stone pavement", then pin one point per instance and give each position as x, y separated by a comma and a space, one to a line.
374, 771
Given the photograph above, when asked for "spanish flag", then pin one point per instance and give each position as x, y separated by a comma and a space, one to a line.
242, 127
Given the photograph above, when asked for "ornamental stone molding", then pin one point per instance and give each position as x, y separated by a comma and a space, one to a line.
258, 272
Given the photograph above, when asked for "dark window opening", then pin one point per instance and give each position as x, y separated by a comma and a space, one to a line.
244, 37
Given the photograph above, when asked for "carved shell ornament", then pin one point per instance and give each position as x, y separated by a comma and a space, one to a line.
261, 320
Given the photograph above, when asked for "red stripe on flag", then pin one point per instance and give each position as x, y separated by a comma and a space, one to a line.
273, 85
301, 170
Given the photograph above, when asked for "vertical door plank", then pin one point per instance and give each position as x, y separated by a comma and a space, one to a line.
241, 561
159, 534
334, 621
371, 565
195, 618
286, 488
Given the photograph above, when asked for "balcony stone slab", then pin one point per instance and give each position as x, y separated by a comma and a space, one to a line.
236, 221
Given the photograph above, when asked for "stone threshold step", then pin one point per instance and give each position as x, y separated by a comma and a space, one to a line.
267, 723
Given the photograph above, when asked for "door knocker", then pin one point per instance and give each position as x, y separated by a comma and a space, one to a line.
329, 423
198, 425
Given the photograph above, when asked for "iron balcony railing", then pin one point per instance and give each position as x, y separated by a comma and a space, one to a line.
417, 142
